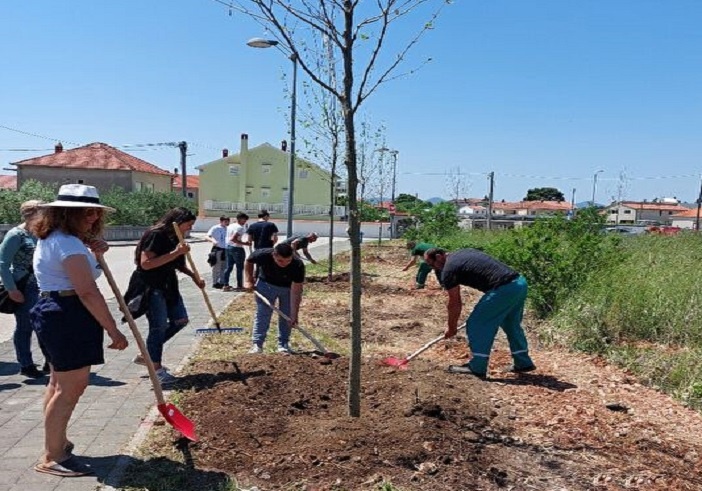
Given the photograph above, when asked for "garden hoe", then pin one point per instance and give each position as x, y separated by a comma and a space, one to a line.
317, 344
170, 413
218, 328
402, 363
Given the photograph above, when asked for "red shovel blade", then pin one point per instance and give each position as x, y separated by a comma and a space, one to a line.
178, 420
396, 362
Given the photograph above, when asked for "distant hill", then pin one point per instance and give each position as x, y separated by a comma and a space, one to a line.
434, 201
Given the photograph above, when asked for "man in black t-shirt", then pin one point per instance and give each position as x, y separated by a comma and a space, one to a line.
263, 234
280, 276
302, 242
502, 305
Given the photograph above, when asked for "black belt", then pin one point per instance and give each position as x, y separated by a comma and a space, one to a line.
58, 293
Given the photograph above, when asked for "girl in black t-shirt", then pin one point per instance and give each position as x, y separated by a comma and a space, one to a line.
158, 256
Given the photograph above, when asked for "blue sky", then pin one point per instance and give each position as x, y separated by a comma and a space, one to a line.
542, 93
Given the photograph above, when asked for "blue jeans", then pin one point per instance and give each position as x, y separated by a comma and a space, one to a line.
166, 319
22, 336
262, 321
235, 257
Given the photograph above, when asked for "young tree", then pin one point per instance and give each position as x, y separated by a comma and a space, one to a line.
456, 183
359, 46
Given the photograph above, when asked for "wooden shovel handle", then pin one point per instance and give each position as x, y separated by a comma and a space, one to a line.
213, 314
429, 345
275, 309
135, 331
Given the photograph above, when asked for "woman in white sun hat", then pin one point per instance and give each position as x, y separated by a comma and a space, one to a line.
71, 315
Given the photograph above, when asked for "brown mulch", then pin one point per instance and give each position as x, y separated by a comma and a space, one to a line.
577, 423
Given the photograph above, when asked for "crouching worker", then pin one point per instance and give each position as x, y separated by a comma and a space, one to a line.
280, 276
502, 305
417, 251
154, 284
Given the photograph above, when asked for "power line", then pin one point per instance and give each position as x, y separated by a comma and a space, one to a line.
37, 135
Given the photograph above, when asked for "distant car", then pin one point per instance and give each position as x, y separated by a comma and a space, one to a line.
625, 230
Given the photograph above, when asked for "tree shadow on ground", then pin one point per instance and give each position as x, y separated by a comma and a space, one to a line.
156, 473
546, 381
204, 381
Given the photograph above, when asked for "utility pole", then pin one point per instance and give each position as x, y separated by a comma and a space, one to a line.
488, 221
183, 175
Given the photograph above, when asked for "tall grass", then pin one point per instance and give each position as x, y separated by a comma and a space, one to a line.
644, 313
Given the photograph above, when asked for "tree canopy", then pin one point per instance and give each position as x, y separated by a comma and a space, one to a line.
544, 194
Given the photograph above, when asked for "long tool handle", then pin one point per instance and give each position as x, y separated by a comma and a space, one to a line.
275, 309
179, 234
429, 345
135, 331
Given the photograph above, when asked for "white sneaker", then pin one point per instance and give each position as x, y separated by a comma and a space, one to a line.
165, 378
256, 349
285, 348
139, 360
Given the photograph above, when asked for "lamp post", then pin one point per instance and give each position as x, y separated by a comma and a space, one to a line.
269, 43
594, 187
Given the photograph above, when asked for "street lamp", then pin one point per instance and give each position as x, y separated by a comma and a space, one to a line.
594, 187
269, 43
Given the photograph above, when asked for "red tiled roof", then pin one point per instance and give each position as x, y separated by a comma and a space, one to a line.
94, 156
533, 205
690, 213
193, 182
8, 182
653, 206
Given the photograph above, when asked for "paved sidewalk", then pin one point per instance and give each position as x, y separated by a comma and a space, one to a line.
114, 414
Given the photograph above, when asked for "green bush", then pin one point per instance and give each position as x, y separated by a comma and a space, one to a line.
133, 208
556, 255
434, 223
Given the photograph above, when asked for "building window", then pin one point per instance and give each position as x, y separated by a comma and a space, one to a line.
265, 193
137, 186
303, 173
612, 212
81, 181
190, 195
627, 212
234, 170
266, 168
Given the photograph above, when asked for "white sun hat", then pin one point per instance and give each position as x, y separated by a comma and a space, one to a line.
77, 196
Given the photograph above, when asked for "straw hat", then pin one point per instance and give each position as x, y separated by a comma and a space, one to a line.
77, 196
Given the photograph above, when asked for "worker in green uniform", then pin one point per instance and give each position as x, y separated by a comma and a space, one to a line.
417, 250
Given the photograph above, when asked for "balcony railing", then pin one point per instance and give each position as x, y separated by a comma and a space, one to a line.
273, 208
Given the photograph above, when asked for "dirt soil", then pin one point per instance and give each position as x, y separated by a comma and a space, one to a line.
280, 421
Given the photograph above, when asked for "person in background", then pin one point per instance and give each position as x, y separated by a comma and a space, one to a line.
264, 234
71, 315
417, 251
280, 276
217, 234
236, 252
158, 256
502, 305
300, 241
17, 275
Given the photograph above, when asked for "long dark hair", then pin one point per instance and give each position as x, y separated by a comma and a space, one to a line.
165, 224
68, 220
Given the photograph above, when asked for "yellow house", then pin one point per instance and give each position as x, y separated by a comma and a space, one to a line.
256, 179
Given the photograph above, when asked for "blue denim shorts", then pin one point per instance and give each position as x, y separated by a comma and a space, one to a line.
72, 337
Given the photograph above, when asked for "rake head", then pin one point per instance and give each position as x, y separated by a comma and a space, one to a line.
206, 331
392, 361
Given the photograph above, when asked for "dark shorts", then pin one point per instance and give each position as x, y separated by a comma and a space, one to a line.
70, 334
